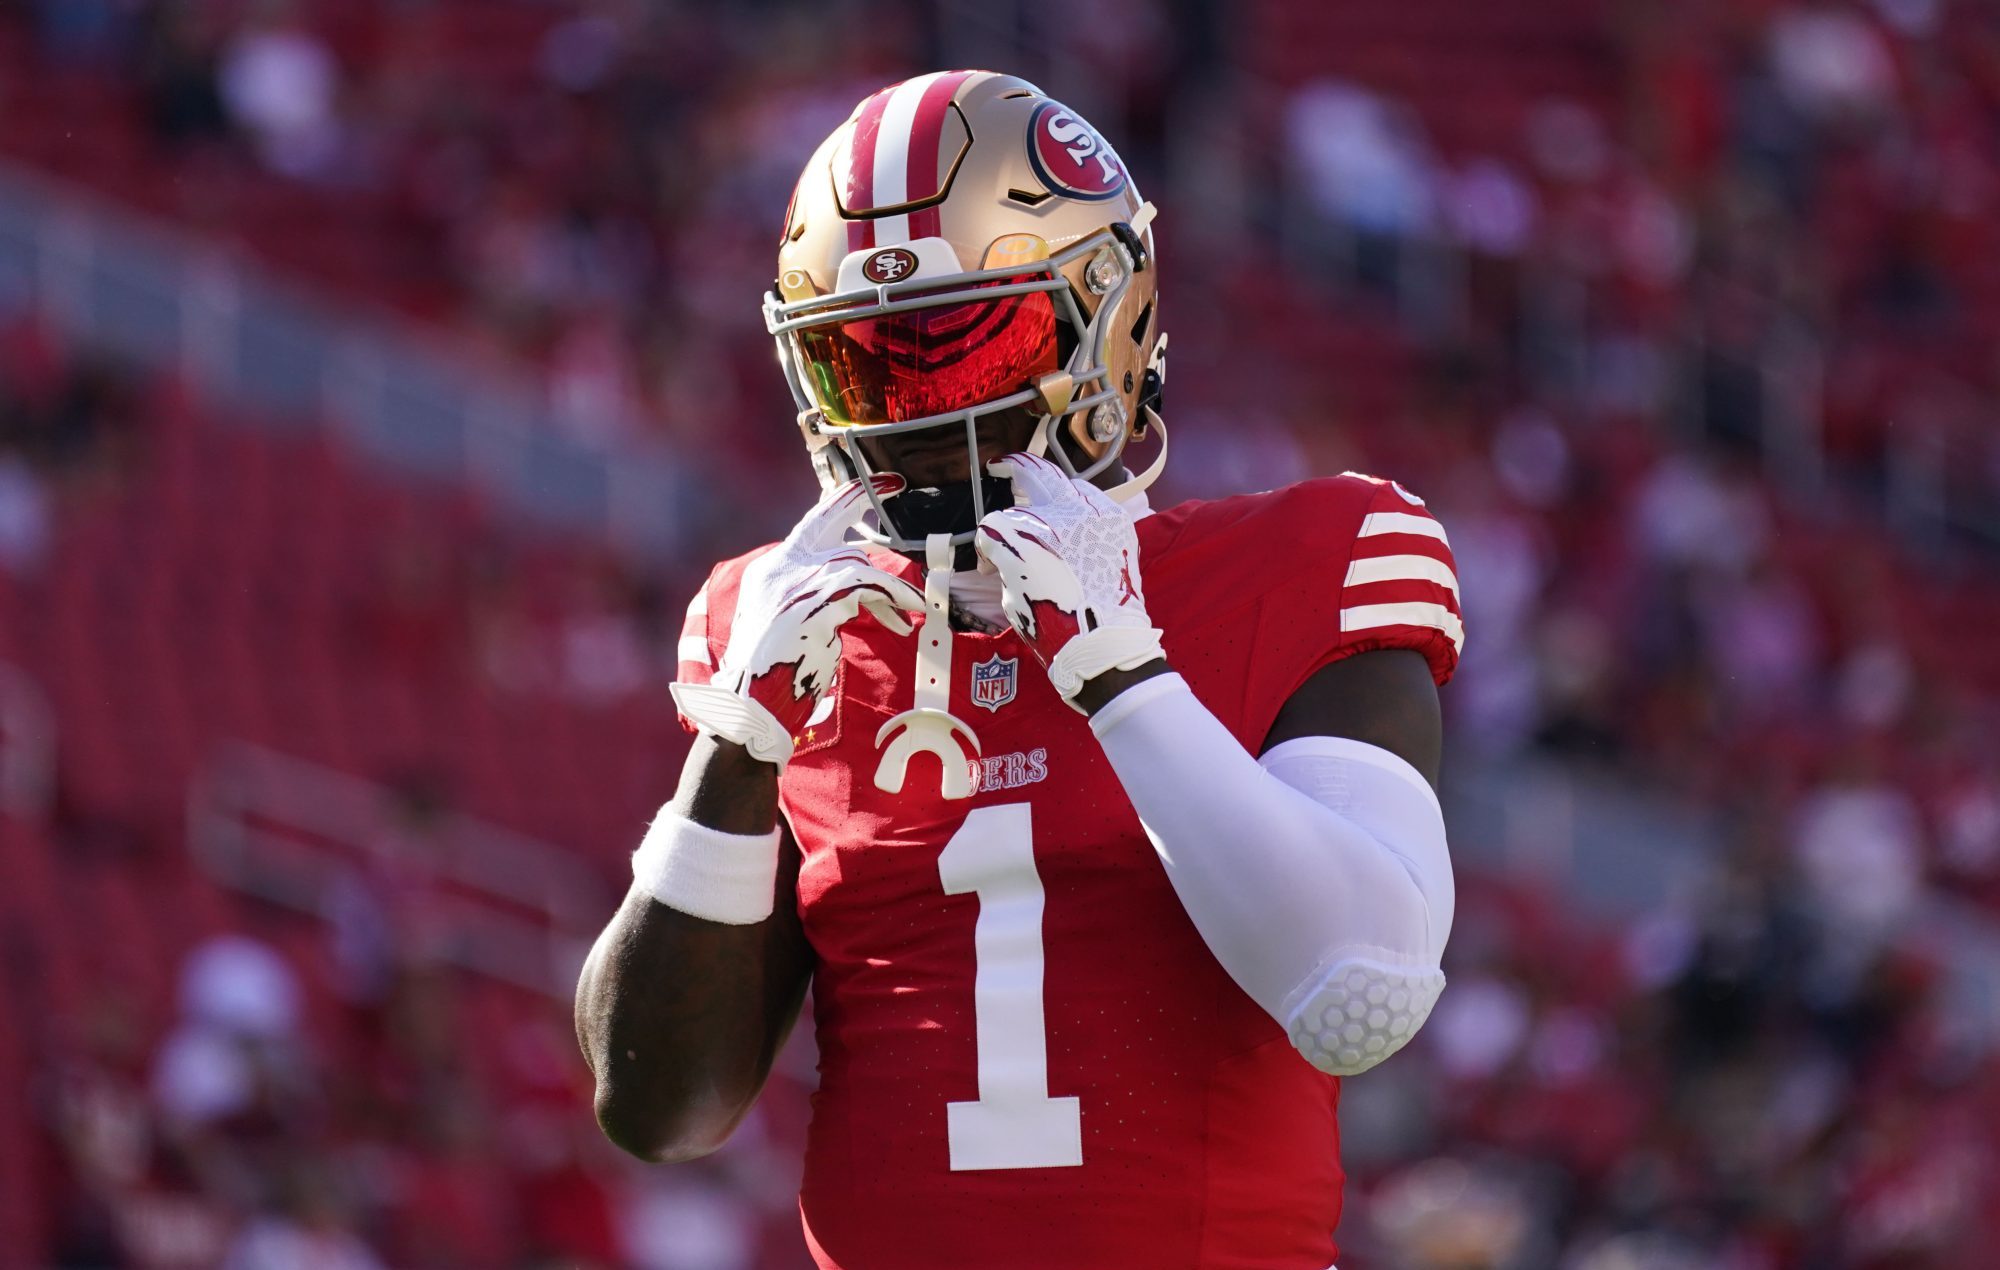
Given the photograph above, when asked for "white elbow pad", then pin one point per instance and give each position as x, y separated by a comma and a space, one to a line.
1317, 875
1360, 1012
1367, 998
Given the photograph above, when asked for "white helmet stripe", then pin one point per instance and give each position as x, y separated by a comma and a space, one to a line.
892, 156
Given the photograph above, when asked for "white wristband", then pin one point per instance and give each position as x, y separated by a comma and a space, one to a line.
706, 873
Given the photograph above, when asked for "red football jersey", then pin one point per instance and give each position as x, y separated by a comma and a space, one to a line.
1028, 1057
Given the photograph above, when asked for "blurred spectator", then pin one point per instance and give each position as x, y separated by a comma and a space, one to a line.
1450, 1214
1830, 62
1859, 850
309, 1235
1361, 159
281, 84
1488, 208
178, 70
384, 913
238, 1030
687, 1221
24, 516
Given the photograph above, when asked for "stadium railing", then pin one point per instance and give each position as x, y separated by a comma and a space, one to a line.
496, 902
186, 306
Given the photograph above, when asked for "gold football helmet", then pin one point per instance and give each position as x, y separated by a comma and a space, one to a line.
964, 245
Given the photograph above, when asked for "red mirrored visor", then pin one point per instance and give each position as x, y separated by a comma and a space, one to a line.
921, 362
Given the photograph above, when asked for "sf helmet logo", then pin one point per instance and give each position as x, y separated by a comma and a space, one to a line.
889, 265
1070, 157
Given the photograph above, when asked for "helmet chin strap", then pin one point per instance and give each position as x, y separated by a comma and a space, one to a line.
924, 513
1038, 443
1133, 486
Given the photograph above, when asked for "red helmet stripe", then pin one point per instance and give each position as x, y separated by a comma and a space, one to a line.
893, 160
860, 183
926, 164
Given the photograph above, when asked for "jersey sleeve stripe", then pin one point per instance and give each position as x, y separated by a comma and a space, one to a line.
1372, 569
1364, 617
1375, 524
692, 651
694, 648
1385, 483
696, 622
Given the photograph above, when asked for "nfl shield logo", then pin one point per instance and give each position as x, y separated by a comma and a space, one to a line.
993, 681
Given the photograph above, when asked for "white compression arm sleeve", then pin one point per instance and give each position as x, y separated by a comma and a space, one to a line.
1318, 875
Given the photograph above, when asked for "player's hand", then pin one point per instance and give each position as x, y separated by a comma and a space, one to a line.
1068, 560
784, 642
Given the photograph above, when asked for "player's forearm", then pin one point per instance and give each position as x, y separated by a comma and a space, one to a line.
724, 788
1097, 693
680, 1016
1288, 887
679, 1019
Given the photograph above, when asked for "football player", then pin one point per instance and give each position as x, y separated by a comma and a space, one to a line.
1105, 836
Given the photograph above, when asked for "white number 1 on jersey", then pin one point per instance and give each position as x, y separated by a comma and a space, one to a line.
1015, 1124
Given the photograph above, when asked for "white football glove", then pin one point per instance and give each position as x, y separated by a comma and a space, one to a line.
1068, 560
784, 642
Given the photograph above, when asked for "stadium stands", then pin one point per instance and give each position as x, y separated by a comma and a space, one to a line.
1777, 1066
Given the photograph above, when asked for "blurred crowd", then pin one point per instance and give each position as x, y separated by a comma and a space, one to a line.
253, 1135
1774, 227
1739, 546
591, 186
1707, 405
68, 421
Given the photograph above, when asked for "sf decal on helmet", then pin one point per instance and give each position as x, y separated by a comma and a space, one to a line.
892, 264
1070, 157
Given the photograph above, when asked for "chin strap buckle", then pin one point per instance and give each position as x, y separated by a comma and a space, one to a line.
929, 727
